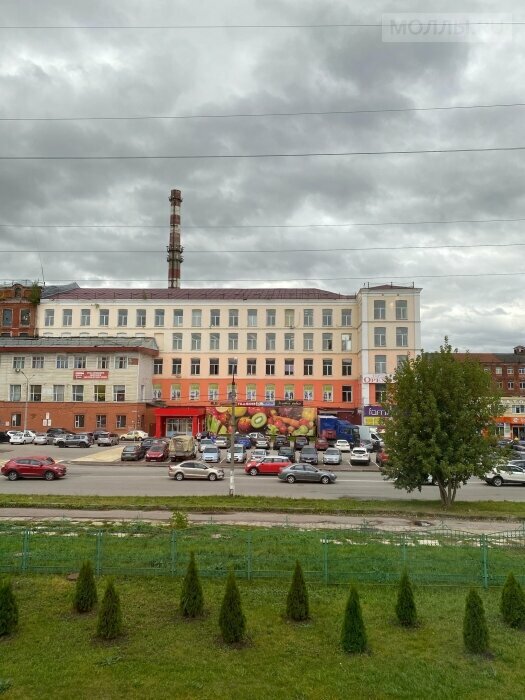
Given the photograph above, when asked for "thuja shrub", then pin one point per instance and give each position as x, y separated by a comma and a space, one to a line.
109, 624
231, 618
85, 597
191, 598
475, 630
353, 636
512, 603
8, 609
297, 607
406, 606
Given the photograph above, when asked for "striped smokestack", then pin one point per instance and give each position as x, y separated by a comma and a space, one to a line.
174, 249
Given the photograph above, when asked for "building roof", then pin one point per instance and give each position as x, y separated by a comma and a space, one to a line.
140, 343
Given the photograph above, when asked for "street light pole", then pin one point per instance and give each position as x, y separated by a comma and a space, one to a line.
233, 424
20, 371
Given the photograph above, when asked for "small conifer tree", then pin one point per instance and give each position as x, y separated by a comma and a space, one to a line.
109, 625
85, 597
231, 619
406, 607
297, 607
475, 630
191, 598
353, 637
8, 609
512, 603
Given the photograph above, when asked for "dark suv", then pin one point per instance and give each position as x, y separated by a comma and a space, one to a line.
300, 441
70, 440
309, 455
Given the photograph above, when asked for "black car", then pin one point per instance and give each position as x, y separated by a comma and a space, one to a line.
287, 451
133, 452
4, 437
300, 442
280, 441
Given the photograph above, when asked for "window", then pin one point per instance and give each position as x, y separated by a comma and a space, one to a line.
15, 392
79, 362
49, 317
195, 341
103, 362
35, 392
308, 367
346, 393
103, 317
308, 318
176, 365
196, 318
37, 362
159, 318
522, 385
346, 342
499, 370
176, 341
101, 422
510, 370
215, 317
195, 392
328, 392
119, 392
214, 341
327, 368
120, 421
177, 317
289, 341
99, 392
400, 360
521, 370
79, 420
380, 393
59, 391
346, 368
85, 317
346, 317
213, 392
77, 392
251, 392
289, 318
289, 368
402, 337
141, 318
308, 392
270, 341
67, 317
233, 318
62, 362
214, 366
380, 337
195, 367
327, 317
270, 366
289, 392
25, 317
269, 392
16, 420
19, 362
233, 341
232, 366
122, 317
510, 385
499, 385
7, 317
270, 317
379, 310
401, 310
121, 362
380, 364
252, 318
157, 366
308, 341
251, 366
518, 409
176, 392
327, 341
251, 341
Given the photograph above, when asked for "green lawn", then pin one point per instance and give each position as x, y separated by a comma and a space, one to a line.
54, 654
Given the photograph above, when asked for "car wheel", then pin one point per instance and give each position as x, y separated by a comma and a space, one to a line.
12, 476
212, 477
49, 476
61, 444
179, 476
253, 471
290, 479
497, 481
325, 480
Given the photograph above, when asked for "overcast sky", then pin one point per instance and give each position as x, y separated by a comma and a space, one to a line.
251, 221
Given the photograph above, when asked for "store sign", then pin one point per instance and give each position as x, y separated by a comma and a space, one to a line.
251, 404
90, 374
374, 411
374, 378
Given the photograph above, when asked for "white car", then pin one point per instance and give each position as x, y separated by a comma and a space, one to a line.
22, 437
359, 455
342, 445
134, 435
40, 439
509, 474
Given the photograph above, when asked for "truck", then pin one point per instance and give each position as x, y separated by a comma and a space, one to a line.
182, 447
333, 428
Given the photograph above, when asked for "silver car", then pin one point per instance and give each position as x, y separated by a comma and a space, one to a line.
107, 439
332, 456
194, 469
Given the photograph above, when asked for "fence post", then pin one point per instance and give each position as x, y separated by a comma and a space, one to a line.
173, 547
249, 557
325, 559
25, 550
98, 553
485, 552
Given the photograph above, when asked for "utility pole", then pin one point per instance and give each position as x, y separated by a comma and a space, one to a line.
233, 423
20, 371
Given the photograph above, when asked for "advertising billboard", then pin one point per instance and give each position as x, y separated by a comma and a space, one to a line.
272, 420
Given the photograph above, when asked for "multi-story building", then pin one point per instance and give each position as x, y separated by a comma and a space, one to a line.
18, 304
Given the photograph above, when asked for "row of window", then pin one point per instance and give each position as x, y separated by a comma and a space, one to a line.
101, 392
289, 318
291, 392
289, 367
71, 362
510, 385
401, 309
510, 370
101, 421
251, 341
7, 317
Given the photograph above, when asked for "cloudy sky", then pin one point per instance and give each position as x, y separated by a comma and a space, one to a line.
450, 222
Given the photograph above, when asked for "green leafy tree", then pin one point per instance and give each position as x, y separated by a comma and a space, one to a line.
353, 636
475, 630
191, 598
406, 606
512, 603
85, 597
441, 410
297, 607
231, 618
8, 609
109, 625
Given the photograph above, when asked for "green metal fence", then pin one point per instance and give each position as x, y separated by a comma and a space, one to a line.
335, 556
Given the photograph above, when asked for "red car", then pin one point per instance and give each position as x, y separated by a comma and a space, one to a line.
33, 467
381, 458
268, 465
158, 452
321, 443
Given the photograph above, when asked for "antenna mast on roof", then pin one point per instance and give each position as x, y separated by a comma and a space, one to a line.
174, 249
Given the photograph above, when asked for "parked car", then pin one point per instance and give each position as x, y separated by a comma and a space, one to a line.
332, 455
183, 447
72, 440
134, 435
222, 441
54, 432
300, 441
132, 453
254, 437
205, 442
309, 454
158, 452
40, 439
22, 437
194, 469
509, 474
287, 451
359, 455
306, 472
281, 441
367, 444
37, 467
239, 454
211, 453
258, 453
4, 437
268, 465
107, 439
263, 442
343, 445
321, 443
381, 458
243, 440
